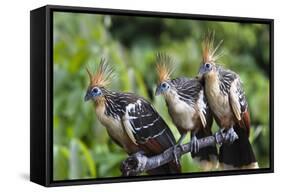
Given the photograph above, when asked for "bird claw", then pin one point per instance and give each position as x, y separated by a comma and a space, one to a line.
230, 136
194, 145
220, 134
175, 154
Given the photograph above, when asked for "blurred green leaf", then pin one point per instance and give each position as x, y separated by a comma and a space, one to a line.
82, 147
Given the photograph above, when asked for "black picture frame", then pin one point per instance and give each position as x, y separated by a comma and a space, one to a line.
41, 93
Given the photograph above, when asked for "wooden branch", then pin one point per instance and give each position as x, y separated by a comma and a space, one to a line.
138, 163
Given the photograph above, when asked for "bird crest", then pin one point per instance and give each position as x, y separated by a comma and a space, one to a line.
103, 74
164, 66
209, 51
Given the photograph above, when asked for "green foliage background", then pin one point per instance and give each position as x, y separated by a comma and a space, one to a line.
82, 148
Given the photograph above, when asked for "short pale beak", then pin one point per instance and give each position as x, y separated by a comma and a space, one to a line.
201, 72
158, 91
88, 96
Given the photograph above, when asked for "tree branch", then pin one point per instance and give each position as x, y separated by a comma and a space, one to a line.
138, 162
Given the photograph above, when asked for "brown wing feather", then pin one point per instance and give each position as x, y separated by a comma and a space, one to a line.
245, 122
149, 131
239, 105
152, 146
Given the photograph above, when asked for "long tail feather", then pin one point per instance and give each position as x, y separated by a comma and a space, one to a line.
239, 154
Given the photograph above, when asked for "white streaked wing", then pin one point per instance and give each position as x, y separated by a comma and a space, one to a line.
202, 108
141, 122
234, 99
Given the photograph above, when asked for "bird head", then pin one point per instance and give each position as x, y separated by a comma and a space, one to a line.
162, 88
205, 69
94, 93
164, 69
98, 81
210, 55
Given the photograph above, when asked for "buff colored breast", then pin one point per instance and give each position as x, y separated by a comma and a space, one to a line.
218, 102
115, 130
182, 114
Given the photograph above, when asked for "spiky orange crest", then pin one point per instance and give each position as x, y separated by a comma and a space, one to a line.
209, 52
164, 66
102, 76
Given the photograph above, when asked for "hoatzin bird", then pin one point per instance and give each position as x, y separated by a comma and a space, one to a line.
227, 100
188, 109
130, 120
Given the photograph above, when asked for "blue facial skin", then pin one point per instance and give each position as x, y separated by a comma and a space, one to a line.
207, 67
162, 88
93, 93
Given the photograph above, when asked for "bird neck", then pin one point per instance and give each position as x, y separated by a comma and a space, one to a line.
167, 95
212, 83
99, 101
170, 97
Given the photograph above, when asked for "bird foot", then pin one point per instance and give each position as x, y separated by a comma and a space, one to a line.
218, 135
194, 145
230, 136
176, 154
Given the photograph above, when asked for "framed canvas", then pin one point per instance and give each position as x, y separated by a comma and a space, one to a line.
125, 95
